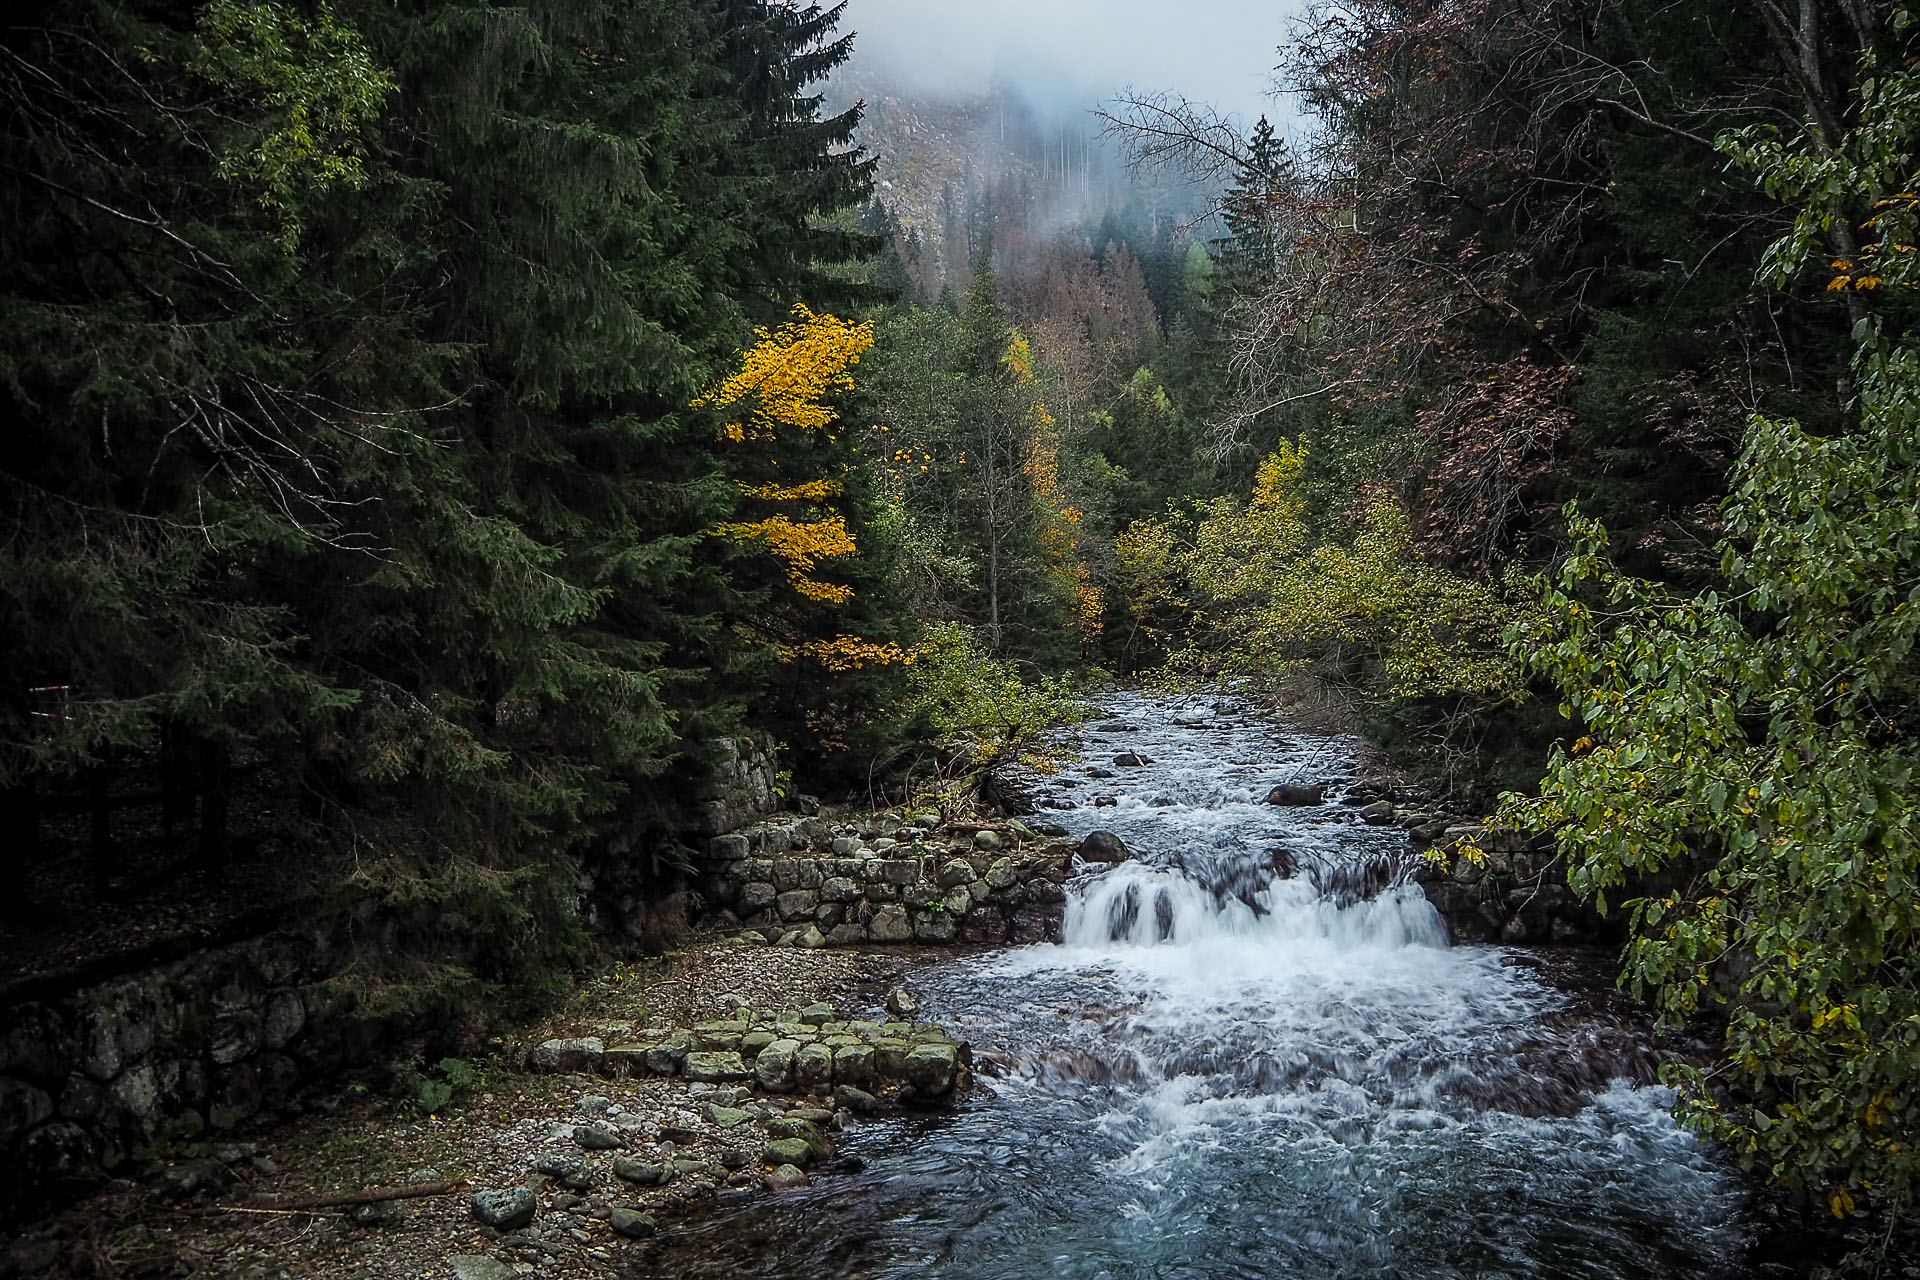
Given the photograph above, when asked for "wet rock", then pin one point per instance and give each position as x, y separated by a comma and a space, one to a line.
1131, 760
984, 924
631, 1223
507, 1209
1036, 923
791, 1151
1378, 814
787, 1178
1103, 846
1115, 726
930, 1069
1296, 794
856, 1099
1096, 771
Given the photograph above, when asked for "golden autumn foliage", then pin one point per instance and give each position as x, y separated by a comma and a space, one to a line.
850, 653
781, 388
786, 377
801, 546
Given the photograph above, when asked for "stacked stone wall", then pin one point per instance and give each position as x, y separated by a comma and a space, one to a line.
809, 882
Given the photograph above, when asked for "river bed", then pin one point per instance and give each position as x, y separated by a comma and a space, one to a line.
1229, 1071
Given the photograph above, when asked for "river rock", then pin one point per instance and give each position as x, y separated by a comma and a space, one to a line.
507, 1209
853, 1064
596, 1137
1131, 760
856, 1099
902, 1005
568, 1171
631, 1223
1296, 794
930, 1069
790, 1151
813, 1068
639, 1172
1103, 846
773, 1069
1378, 814
787, 1178
477, 1266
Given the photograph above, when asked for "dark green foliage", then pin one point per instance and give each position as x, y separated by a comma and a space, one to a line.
348, 359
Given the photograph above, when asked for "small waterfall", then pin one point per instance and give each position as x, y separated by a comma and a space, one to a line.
1139, 905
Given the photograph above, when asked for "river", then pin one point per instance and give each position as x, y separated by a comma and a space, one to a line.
1221, 1073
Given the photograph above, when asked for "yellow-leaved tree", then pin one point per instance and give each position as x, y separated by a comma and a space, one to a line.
781, 395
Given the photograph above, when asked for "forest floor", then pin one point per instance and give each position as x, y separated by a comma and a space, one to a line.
199, 1219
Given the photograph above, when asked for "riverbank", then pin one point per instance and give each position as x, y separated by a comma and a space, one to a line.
604, 1158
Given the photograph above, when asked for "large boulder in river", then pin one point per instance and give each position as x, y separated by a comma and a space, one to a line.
1297, 794
1131, 760
1103, 846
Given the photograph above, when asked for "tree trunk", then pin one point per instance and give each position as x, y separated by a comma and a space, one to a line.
216, 786
176, 776
100, 852
19, 845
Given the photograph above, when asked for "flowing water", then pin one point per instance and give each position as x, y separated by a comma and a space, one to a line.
1223, 1072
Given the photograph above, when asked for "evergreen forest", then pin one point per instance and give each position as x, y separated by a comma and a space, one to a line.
438, 434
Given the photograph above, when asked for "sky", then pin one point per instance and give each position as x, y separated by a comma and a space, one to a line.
1080, 52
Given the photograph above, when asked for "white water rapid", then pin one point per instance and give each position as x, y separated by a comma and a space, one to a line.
1224, 1071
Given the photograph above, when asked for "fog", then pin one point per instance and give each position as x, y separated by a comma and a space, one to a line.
1074, 54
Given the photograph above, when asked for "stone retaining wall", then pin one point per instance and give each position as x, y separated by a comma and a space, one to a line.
95, 1066
191, 1049
811, 883
808, 1051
